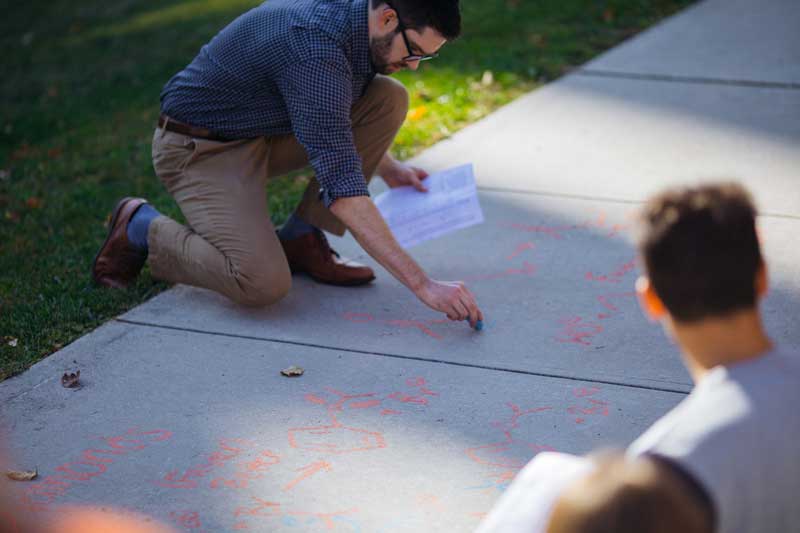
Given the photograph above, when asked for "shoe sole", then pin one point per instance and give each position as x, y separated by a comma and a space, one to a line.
114, 217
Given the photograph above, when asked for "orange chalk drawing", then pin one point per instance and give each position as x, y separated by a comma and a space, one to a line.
229, 449
497, 453
267, 509
576, 330
365, 405
248, 471
405, 398
187, 519
614, 277
579, 330
336, 438
593, 407
556, 232
521, 248
598, 407
498, 481
420, 384
527, 269
583, 392
605, 300
94, 462
307, 472
423, 326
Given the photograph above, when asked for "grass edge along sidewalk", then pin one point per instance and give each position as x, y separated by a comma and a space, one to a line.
80, 97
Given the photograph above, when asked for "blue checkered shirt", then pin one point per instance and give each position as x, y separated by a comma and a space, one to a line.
287, 66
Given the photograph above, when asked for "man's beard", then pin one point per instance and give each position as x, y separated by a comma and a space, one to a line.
379, 50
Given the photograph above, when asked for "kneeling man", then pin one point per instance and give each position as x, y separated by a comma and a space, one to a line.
288, 84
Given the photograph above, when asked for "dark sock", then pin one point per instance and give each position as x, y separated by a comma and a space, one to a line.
139, 224
295, 227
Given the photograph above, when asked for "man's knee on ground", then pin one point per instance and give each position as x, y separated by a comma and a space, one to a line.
261, 290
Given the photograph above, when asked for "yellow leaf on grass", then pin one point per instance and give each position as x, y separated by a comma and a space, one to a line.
417, 113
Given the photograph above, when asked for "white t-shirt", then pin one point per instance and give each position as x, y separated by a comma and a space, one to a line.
738, 435
526, 505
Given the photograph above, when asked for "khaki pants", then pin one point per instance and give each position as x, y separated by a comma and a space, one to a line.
230, 245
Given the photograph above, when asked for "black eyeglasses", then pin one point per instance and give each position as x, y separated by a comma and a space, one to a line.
411, 55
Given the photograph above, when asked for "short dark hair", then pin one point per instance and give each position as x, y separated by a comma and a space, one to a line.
443, 16
701, 251
636, 495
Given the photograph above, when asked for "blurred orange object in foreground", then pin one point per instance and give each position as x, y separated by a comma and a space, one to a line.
78, 520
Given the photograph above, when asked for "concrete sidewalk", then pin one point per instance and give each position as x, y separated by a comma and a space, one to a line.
404, 421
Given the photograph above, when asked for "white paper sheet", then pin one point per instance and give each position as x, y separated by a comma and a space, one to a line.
526, 506
450, 204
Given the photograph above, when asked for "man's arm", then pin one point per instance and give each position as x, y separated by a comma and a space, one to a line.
366, 224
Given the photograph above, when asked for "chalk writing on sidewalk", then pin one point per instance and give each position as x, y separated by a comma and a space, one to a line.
307, 472
228, 450
94, 462
579, 330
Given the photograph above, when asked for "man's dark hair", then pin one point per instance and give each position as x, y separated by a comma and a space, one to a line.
701, 250
641, 495
443, 16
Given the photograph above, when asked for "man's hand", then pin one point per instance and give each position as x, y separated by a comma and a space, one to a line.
452, 298
366, 224
397, 174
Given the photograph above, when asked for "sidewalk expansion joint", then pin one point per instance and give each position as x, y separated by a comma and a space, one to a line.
698, 80
399, 356
606, 199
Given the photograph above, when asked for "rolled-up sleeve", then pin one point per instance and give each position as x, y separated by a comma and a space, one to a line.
318, 96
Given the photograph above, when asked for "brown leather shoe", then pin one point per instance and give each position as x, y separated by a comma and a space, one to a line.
312, 255
118, 263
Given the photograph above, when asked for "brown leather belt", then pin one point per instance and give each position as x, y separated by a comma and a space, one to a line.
170, 124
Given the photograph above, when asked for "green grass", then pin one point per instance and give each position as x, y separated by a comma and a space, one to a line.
79, 97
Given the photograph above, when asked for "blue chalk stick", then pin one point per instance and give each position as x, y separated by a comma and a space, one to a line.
479, 325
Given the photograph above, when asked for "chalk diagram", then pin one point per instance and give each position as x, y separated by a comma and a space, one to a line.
527, 262
326, 442
260, 483
504, 457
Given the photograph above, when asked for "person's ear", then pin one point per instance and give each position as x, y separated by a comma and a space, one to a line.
651, 304
762, 281
388, 18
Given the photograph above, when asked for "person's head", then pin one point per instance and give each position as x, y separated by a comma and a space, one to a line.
404, 32
701, 254
642, 495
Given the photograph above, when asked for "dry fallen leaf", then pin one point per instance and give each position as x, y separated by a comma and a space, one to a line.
70, 380
21, 476
292, 371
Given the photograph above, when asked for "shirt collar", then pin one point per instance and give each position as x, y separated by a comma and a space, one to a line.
359, 17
